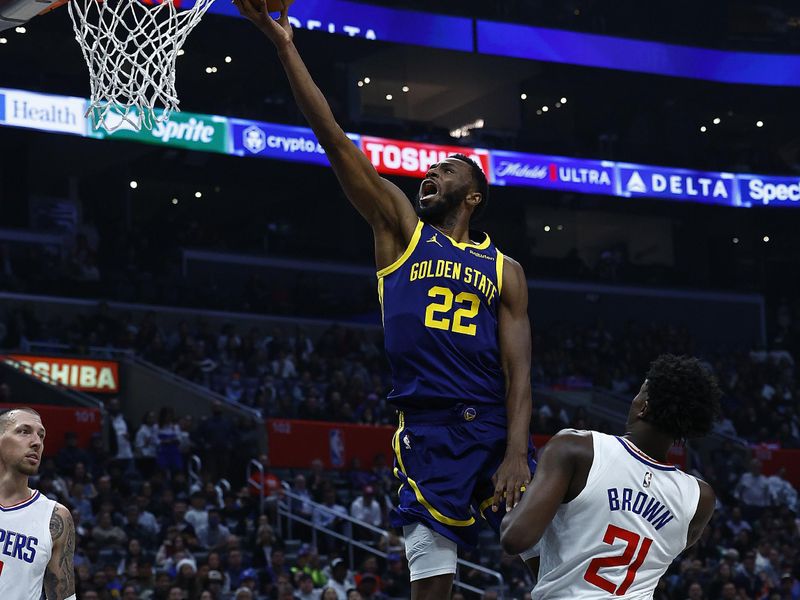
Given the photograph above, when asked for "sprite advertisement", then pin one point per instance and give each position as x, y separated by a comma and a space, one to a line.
207, 133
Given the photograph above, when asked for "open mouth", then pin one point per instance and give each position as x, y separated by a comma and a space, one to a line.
428, 189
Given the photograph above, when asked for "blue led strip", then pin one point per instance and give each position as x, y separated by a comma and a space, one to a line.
588, 50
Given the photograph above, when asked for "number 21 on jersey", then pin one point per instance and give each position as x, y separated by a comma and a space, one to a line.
626, 559
438, 314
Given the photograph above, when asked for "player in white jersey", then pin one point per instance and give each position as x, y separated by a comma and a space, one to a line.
609, 513
37, 535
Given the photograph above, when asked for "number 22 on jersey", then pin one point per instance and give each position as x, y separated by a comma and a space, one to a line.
437, 315
631, 540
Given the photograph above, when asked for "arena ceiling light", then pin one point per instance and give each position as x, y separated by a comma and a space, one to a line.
3, 40
228, 59
563, 100
523, 96
717, 120
389, 96
367, 80
174, 201
406, 89
198, 194
134, 185
20, 30
703, 128
759, 123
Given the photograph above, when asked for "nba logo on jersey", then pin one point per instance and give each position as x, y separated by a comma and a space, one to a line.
648, 477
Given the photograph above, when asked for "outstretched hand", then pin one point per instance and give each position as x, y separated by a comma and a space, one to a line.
279, 30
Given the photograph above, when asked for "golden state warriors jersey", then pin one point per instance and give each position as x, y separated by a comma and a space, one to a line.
440, 301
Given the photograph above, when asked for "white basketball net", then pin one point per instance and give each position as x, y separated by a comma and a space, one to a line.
131, 50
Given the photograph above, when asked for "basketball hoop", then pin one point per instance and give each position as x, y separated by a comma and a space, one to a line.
131, 50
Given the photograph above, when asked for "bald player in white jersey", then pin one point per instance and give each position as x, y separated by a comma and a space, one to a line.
37, 535
609, 513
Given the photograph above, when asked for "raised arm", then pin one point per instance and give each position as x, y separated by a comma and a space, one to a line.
385, 207
515, 353
59, 578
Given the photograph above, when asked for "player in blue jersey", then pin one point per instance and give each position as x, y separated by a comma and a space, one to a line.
458, 338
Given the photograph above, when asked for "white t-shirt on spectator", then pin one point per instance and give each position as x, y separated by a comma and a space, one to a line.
371, 513
753, 490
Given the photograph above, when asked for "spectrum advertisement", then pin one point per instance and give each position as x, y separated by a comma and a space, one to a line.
769, 190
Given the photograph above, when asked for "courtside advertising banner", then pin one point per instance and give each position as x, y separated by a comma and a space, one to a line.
412, 159
207, 133
93, 376
553, 172
281, 142
767, 190
59, 114
677, 184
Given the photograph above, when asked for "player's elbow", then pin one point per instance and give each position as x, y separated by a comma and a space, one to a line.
515, 538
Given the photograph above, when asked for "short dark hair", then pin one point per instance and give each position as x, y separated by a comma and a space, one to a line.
682, 397
5, 416
481, 183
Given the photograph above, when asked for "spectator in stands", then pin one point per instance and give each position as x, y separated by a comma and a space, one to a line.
265, 540
235, 567
396, 578
736, 523
213, 535
197, 515
366, 508
329, 515
306, 589
753, 490
341, 579
277, 566
71, 454
217, 437
368, 588
318, 480
301, 506
79, 502
168, 456
781, 492
119, 437
134, 527
146, 443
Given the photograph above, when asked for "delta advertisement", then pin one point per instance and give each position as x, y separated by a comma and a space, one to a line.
239, 137
677, 184
93, 376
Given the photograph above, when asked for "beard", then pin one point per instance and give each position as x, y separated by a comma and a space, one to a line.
28, 469
438, 211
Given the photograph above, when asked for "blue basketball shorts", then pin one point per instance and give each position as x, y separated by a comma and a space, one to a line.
445, 460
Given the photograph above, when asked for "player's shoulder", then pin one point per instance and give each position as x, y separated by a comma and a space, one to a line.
572, 443
60, 521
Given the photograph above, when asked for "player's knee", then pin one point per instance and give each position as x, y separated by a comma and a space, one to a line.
429, 553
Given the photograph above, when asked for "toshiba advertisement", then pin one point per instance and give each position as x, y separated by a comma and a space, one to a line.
93, 376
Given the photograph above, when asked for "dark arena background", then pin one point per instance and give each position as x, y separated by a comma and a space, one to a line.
193, 309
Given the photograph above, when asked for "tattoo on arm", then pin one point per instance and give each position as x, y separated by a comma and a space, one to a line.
56, 525
59, 579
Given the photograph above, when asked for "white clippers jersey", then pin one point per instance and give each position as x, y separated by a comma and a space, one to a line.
619, 535
25, 547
